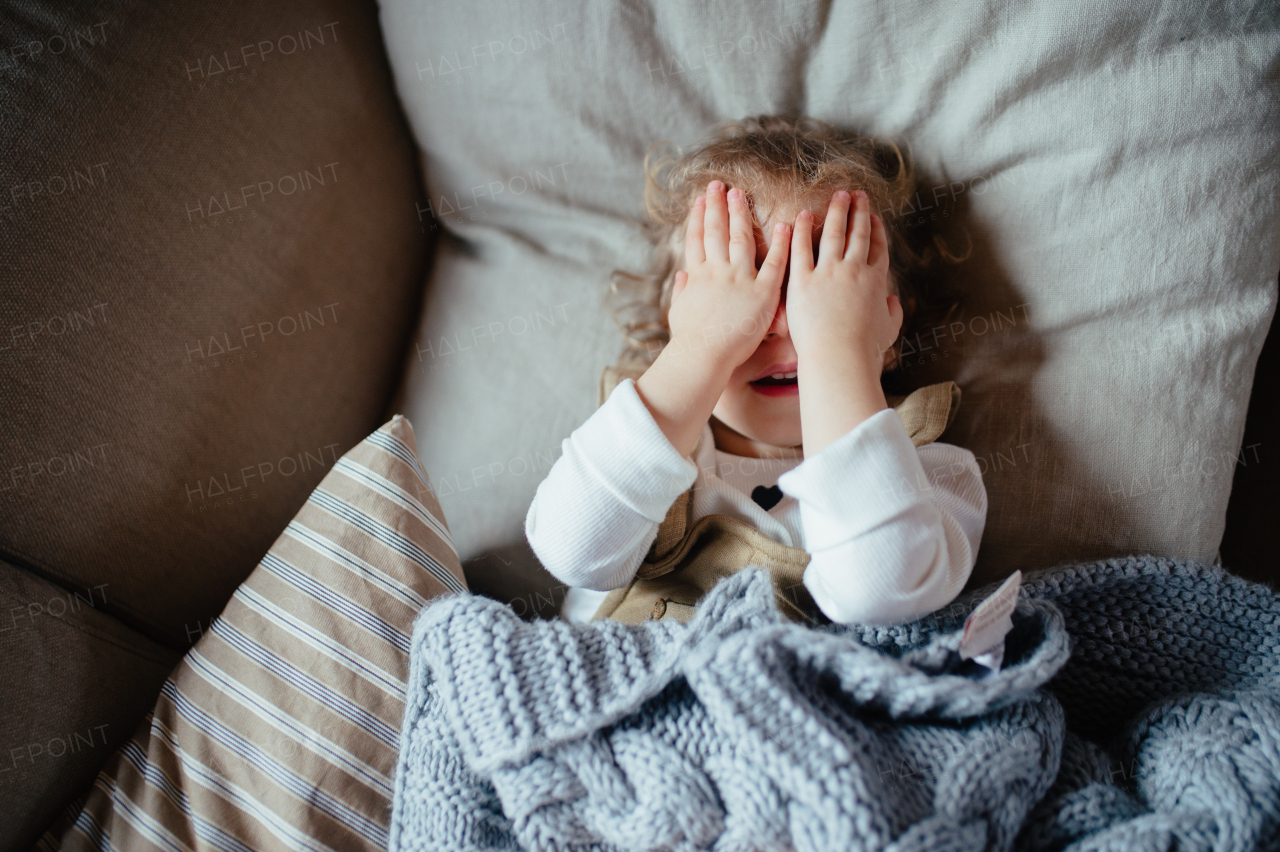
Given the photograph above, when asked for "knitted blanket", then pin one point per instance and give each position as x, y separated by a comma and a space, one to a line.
1138, 709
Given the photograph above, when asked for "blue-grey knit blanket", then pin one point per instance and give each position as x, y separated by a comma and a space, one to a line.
1138, 709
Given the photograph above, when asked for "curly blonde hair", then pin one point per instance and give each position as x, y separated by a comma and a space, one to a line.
775, 160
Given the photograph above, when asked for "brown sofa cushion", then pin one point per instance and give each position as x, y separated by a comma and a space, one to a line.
1255, 487
76, 684
211, 264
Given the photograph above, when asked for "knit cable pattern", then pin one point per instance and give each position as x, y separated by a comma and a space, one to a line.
1137, 709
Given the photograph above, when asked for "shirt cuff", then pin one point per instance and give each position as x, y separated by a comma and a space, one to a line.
869, 475
623, 447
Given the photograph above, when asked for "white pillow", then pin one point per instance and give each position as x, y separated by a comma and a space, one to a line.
1115, 163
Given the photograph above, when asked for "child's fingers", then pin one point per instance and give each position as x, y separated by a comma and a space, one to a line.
860, 235
693, 250
802, 244
716, 225
742, 240
878, 254
775, 262
831, 246
677, 286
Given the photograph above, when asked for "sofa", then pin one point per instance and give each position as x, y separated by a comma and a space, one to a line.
239, 238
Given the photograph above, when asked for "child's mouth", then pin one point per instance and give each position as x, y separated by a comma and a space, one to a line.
778, 384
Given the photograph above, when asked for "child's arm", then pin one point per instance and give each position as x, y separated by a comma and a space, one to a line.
842, 319
892, 530
598, 510
886, 544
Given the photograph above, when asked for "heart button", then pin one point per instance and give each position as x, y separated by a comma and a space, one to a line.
766, 497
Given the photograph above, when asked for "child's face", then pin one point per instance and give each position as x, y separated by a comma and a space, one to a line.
767, 413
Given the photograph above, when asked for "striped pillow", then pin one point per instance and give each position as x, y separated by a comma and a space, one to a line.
280, 728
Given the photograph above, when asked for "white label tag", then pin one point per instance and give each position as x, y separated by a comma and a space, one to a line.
992, 659
986, 626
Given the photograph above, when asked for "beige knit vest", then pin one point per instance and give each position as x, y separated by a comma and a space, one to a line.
687, 559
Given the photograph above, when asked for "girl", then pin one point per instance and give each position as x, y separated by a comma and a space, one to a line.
761, 432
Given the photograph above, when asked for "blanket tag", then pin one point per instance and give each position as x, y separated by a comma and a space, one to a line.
986, 626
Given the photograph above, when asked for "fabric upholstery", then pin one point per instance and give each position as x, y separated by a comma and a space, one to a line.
280, 728
1113, 163
76, 684
210, 261
1255, 489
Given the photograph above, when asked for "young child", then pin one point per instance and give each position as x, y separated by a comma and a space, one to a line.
763, 417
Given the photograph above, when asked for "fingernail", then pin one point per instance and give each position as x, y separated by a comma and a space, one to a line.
842, 195
716, 186
779, 228
734, 193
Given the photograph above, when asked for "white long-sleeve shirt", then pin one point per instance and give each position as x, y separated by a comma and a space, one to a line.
892, 530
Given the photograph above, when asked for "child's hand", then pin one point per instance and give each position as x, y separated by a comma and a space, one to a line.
720, 303
842, 309
842, 319
721, 308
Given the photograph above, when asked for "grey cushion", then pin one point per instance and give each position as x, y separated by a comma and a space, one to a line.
1114, 163
136, 450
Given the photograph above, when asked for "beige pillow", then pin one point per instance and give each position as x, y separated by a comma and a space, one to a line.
280, 728
1115, 165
